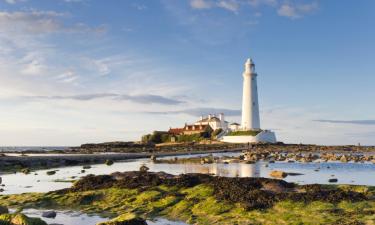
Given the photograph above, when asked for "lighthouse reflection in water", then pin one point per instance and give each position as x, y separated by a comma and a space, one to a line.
227, 170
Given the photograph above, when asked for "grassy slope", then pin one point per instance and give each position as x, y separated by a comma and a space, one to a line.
198, 205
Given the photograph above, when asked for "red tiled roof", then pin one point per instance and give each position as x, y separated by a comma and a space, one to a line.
176, 130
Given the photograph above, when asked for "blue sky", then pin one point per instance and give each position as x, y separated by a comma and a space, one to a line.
77, 71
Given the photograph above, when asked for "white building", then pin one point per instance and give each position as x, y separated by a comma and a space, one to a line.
250, 105
250, 111
215, 122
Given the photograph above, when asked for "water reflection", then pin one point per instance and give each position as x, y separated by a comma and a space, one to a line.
74, 218
347, 173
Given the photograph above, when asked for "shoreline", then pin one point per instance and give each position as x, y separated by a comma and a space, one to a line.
34, 162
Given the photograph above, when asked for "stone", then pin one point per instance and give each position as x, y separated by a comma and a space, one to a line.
278, 174
333, 180
109, 162
144, 168
49, 214
3, 210
51, 172
25, 170
343, 158
20, 219
125, 219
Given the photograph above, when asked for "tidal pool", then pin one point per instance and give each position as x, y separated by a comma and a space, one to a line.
315, 172
75, 218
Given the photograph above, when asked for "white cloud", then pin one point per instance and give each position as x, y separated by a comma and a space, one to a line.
284, 8
14, 1
200, 4
256, 3
68, 76
296, 11
230, 5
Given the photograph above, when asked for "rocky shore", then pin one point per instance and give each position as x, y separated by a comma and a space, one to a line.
19, 163
205, 199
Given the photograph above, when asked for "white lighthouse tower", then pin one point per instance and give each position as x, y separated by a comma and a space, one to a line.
250, 105
250, 113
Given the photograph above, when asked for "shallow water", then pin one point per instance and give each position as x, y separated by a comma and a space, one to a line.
346, 173
75, 218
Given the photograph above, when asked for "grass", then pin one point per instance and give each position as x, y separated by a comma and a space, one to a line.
197, 205
244, 133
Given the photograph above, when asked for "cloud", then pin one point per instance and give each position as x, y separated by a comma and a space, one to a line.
296, 11
201, 111
357, 122
14, 1
230, 5
200, 4
288, 9
40, 22
140, 99
68, 76
256, 3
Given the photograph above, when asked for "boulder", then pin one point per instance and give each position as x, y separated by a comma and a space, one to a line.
125, 219
109, 162
49, 214
333, 180
25, 170
344, 158
52, 172
143, 168
3, 210
278, 174
20, 219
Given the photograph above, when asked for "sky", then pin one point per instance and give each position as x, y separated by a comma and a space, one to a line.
79, 71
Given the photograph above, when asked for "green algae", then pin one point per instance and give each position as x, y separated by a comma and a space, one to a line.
198, 205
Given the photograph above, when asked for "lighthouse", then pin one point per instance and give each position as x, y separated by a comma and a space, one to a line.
250, 105
250, 113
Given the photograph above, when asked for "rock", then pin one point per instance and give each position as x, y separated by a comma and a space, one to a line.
83, 171
1, 180
49, 214
86, 167
25, 170
143, 168
343, 158
51, 172
109, 162
20, 219
333, 180
3, 210
278, 174
153, 158
126, 219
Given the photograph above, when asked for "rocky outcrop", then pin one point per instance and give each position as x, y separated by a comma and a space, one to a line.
3, 210
253, 193
20, 219
126, 219
278, 174
49, 214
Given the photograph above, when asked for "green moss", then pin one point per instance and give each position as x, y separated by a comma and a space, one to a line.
196, 205
20, 219
244, 133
